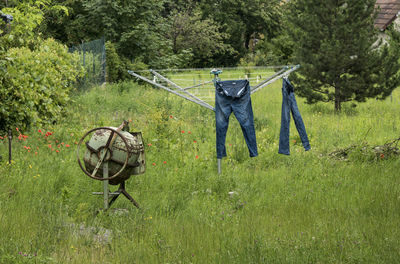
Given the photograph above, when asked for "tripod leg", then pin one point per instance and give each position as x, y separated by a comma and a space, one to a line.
124, 192
114, 198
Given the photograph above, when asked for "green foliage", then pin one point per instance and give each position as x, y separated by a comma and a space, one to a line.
117, 67
336, 45
197, 40
35, 84
243, 21
35, 74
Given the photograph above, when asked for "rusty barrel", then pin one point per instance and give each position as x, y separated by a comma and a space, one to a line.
116, 155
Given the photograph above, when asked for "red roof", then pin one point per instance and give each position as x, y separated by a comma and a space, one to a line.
389, 9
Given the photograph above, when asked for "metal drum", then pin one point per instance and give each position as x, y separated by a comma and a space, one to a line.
116, 155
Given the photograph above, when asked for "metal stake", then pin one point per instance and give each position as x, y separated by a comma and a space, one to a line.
219, 166
9, 146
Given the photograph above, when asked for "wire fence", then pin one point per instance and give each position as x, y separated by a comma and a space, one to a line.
93, 58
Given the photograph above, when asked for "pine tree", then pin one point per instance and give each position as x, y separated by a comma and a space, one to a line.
340, 54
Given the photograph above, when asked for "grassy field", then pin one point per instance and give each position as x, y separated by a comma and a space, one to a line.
304, 208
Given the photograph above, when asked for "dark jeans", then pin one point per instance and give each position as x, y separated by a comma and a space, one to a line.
289, 104
238, 102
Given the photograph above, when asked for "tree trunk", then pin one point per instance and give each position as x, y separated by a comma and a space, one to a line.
338, 103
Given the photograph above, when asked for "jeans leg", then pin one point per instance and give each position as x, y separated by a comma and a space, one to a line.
285, 123
298, 120
222, 113
244, 114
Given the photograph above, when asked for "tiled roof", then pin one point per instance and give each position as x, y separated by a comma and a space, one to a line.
389, 9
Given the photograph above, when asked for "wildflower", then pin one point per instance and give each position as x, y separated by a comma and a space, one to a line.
382, 155
35, 152
294, 141
154, 164
56, 141
30, 166
189, 132
49, 145
197, 156
183, 131
1, 137
171, 116
57, 150
59, 146
194, 141
165, 162
230, 144
62, 143
17, 128
149, 144
40, 131
67, 146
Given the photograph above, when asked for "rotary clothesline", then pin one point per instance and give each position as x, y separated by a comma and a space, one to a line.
186, 94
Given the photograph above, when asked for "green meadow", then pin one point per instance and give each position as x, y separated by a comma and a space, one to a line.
309, 207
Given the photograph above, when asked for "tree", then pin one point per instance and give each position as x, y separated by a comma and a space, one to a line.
243, 21
339, 52
197, 39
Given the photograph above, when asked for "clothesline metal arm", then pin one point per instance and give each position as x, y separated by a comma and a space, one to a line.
269, 78
169, 90
180, 88
197, 85
276, 78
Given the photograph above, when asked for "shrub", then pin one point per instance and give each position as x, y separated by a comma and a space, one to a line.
35, 84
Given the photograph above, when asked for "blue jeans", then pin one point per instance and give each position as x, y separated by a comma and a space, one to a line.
289, 104
234, 96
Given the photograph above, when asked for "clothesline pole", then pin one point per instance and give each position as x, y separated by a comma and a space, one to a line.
216, 78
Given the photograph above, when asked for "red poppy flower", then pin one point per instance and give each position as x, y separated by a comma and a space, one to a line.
154, 164
382, 155
149, 144
165, 162
171, 116
189, 132
194, 141
183, 131
67, 146
17, 128
40, 131
197, 156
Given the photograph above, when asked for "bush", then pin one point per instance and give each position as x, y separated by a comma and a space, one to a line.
35, 84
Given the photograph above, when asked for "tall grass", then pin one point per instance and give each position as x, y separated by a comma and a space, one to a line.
302, 208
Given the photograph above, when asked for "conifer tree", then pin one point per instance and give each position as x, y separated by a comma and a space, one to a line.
341, 56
